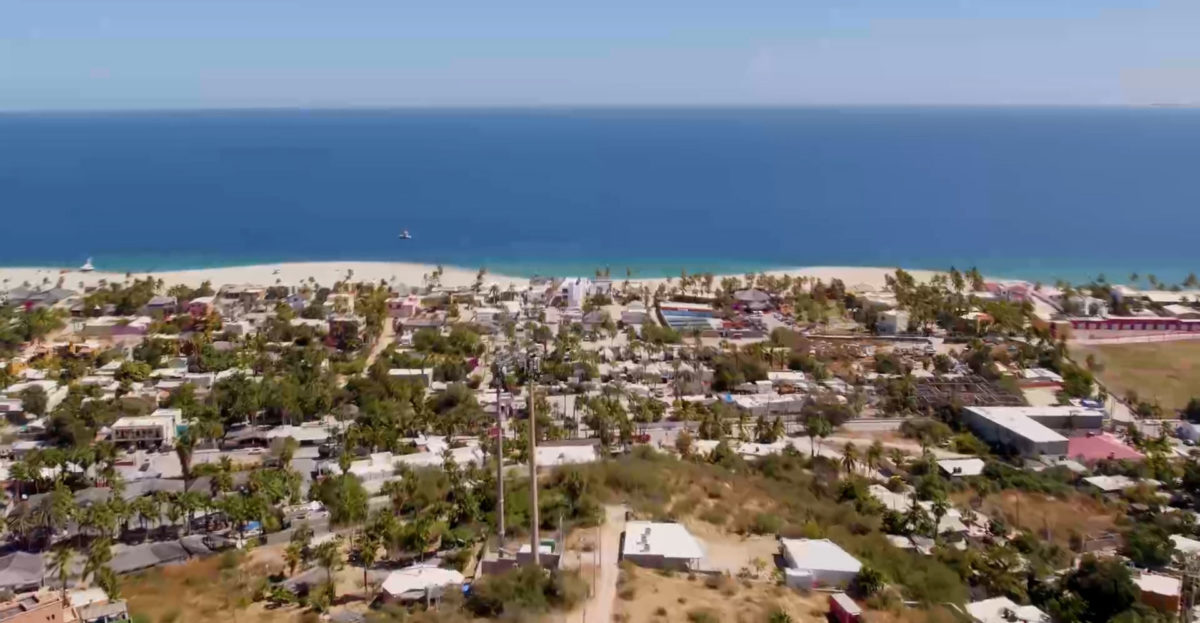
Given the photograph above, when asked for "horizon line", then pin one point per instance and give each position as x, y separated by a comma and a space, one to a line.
587, 107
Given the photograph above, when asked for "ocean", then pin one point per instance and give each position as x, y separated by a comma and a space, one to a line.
1035, 193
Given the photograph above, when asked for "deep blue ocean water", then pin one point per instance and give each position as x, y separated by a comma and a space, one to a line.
1041, 193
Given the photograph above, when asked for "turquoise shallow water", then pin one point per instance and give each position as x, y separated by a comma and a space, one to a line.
1019, 192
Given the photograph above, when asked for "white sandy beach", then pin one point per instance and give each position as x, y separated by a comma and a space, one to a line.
395, 273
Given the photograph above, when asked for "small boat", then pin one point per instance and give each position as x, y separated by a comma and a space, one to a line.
87, 266
404, 235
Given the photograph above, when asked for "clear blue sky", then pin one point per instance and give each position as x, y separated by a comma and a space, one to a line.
117, 54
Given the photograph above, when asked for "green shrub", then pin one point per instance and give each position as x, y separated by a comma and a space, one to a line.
702, 615
766, 523
525, 589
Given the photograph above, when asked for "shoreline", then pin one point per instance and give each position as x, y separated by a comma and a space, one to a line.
395, 273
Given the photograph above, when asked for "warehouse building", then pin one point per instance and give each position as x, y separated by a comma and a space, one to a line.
1016, 429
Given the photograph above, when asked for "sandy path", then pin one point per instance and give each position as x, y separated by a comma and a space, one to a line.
599, 607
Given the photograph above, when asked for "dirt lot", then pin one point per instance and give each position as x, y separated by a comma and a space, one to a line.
1040, 513
650, 596
217, 589
1165, 371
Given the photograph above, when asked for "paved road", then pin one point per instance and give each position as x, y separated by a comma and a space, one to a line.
599, 607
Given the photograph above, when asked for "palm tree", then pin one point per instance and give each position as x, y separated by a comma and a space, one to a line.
99, 555
875, 455
849, 458
816, 427
896, 456
62, 562
293, 556
367, 549
940, 507
329, 555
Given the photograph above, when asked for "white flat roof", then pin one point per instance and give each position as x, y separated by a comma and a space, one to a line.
1158, 584
669, 540
145, 420
1018, 421
420, 578
1118, 482
993, 611
1185, 545
819, 554
550, 456
962, 467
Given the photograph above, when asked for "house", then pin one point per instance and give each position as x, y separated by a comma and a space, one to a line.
1039, 377
817, 562
21, 571
420, 582
148, 555
422, 375
1004, 610
659, 545
634, 313
343, 327
297, 300
115, 326
1183, 312
339, 304
1184, 545
404, 307
592, 321
487, 315
955, 468
1117, 484
305, 435
843, 609
567, 454
1162, 592
156, 429
892, 322
160, 304
1104, 446
33, 608
94, 606
201, 306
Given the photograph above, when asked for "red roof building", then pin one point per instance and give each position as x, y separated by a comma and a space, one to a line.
1099, 447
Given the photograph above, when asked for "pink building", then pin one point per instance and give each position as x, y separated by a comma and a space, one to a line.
404, 307
1100, 447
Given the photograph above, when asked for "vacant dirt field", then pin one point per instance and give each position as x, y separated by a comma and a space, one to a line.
220, 588
648, 596
1041, 513
1168, 372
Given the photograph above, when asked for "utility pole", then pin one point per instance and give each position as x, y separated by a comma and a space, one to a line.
535, 536
499, 372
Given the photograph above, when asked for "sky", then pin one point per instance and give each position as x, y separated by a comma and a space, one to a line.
156, 54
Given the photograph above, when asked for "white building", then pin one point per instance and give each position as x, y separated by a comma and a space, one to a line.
634, 313
818, 562
961, 467
1004, 610
892, 322
554, 456
421, 581
661, 546
1030, 430
156, 429
424, 375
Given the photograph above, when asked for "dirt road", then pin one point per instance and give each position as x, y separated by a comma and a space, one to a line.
599, 607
